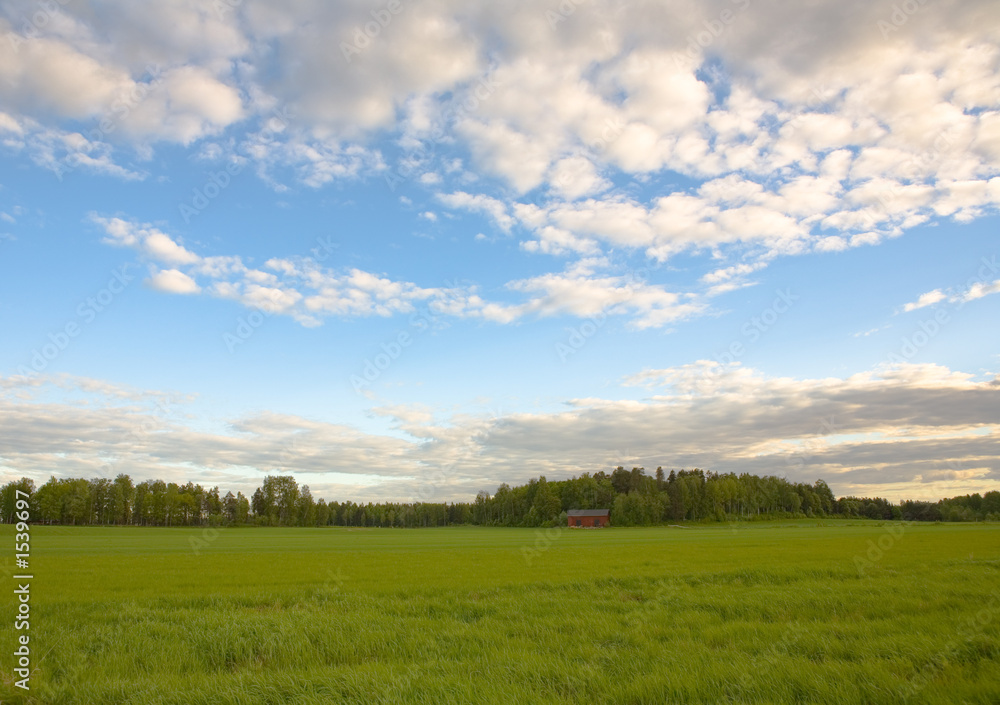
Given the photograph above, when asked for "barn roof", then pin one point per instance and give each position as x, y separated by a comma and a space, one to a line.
587, 513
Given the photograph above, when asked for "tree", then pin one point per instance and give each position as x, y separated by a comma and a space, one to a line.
261, 504
547, 505
101, 496
826, 498
621, 480
123, 498
280, 496
242, 508
78, 498
50, 498
481, 509
306, 509
229, 506
9, 497
322, 513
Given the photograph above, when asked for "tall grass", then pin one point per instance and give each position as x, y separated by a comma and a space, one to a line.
460, 616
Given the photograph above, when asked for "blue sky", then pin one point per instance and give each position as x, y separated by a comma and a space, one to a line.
481, 244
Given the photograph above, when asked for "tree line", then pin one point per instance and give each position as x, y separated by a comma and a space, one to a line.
633, 497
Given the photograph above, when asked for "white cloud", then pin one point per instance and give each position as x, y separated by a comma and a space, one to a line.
162, 249
574, 177
981, 289
793, 133
301, 288
983, 284
821, 125
501, 150
478, 203
581, 292
172, 281
924, 300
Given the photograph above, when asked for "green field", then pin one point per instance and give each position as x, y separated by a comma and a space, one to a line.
785, 612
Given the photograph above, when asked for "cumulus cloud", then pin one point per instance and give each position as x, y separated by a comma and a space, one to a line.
492, 207
302, 288
982, 284
924, 300
172, 281
582, 291
788, 131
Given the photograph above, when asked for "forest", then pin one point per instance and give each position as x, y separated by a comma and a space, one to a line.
634, 498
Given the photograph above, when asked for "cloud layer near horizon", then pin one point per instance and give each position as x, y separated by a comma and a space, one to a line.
903, 431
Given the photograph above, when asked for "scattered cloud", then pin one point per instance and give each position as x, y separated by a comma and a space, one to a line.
794, 132
172, 281
302, 288
928, 299
983, 284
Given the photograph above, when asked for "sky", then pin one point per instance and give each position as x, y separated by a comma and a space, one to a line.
409, 250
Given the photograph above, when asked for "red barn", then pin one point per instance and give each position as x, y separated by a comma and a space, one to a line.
588, 517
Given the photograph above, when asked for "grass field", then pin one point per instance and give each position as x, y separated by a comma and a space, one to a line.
786, 612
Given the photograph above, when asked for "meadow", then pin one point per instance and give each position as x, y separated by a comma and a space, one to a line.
783, 612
